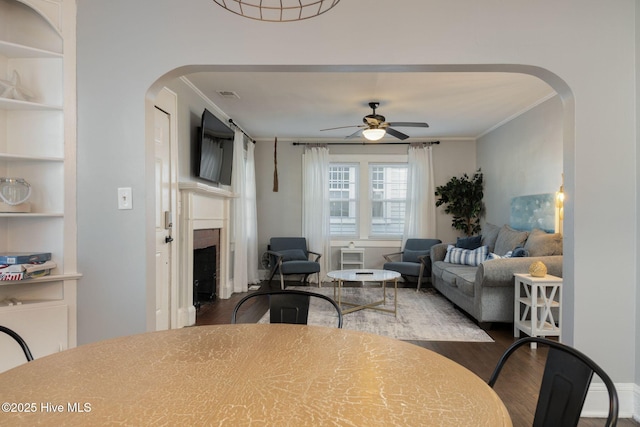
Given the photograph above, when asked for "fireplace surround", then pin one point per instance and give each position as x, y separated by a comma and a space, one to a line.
202, 207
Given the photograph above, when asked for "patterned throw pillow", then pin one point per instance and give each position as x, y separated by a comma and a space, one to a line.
465, 256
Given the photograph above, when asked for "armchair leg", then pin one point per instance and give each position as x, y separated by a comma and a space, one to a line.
282, 281
420, 277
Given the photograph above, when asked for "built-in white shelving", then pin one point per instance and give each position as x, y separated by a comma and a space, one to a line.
35, 144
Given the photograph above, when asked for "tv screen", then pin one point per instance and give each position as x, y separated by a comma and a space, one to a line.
214, 150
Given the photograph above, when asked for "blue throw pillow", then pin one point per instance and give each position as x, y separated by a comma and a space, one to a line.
473, 242
412, 256
520, 252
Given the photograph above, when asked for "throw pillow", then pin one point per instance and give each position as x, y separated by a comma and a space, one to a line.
520, 252
466, 256
412, 256
541, 243
293, 255
490, 235
472, 242
509, 239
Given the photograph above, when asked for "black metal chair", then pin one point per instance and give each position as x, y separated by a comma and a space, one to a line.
19, 340
291, 256
288, 306
415, 260
565, 383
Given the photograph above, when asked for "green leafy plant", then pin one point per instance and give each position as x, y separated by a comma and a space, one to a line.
463, 199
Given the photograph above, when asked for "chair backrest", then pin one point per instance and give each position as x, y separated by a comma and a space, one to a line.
415, 247
565, 383
19, 340
288, 306
278, 244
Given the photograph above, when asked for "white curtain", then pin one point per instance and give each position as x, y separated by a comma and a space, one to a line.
420, 219
252, 218
315, 204
244, 224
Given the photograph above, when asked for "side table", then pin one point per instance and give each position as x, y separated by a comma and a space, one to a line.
351, 258
536, 300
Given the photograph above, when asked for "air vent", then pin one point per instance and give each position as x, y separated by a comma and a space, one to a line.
229, 94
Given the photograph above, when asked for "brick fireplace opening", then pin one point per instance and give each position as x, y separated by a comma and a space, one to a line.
206, 265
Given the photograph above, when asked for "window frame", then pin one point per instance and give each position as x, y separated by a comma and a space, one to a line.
364, 196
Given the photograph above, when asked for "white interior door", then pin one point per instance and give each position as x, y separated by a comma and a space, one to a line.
165, 207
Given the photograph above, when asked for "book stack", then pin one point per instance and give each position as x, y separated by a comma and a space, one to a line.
25, 265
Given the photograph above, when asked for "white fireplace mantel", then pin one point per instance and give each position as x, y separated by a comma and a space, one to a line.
202, 207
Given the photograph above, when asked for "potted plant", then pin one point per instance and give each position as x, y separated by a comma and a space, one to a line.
463, 199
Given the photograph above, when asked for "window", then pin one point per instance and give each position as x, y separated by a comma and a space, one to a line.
343, 192
367, 197
388, 199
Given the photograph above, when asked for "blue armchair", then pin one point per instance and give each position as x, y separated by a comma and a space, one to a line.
289, 255
415, 259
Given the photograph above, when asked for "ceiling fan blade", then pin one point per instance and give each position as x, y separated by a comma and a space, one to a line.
409, 124
397, 134
343, 127
355, 134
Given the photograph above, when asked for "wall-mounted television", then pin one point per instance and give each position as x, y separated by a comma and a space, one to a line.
214, 150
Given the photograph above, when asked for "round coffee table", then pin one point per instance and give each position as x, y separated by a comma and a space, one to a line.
366, 275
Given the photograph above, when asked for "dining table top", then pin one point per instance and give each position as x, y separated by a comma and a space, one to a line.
248, 374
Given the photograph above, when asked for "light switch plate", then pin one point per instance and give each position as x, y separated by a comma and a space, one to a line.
125, 199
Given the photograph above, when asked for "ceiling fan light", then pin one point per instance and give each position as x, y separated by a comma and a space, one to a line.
373, 134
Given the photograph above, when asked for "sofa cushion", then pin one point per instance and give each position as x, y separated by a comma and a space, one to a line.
438, 267
509, 239
541, 243
461, 276
449, 277
465, 256
472, 242
490, 235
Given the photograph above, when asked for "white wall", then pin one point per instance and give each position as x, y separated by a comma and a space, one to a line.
125, 47
521, 157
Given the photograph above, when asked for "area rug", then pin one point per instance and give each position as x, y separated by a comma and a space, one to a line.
422, 316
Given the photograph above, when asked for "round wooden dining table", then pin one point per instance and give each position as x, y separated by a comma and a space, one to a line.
248, 374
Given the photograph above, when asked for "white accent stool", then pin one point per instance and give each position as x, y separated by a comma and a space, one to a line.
535, 297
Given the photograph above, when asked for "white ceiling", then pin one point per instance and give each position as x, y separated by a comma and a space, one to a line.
296, 105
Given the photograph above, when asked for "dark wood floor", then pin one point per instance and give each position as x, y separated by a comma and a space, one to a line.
519, 381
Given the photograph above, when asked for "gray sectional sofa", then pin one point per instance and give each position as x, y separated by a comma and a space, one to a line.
486, 290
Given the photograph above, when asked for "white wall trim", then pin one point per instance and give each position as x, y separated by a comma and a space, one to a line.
597, 403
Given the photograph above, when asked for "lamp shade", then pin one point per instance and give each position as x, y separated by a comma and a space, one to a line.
277, 10
373, 134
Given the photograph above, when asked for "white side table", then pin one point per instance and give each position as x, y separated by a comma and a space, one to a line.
536, 301
351, 258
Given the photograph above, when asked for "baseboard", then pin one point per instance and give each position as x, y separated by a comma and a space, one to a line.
186, 316
597, 403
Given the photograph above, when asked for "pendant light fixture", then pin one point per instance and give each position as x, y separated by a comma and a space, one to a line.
277, 10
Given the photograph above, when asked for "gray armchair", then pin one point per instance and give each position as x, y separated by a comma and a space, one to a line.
289, 255
414, 259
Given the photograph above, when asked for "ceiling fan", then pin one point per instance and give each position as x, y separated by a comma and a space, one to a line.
375, 126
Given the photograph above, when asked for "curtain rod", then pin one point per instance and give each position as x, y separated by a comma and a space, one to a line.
241, 130
366, 143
